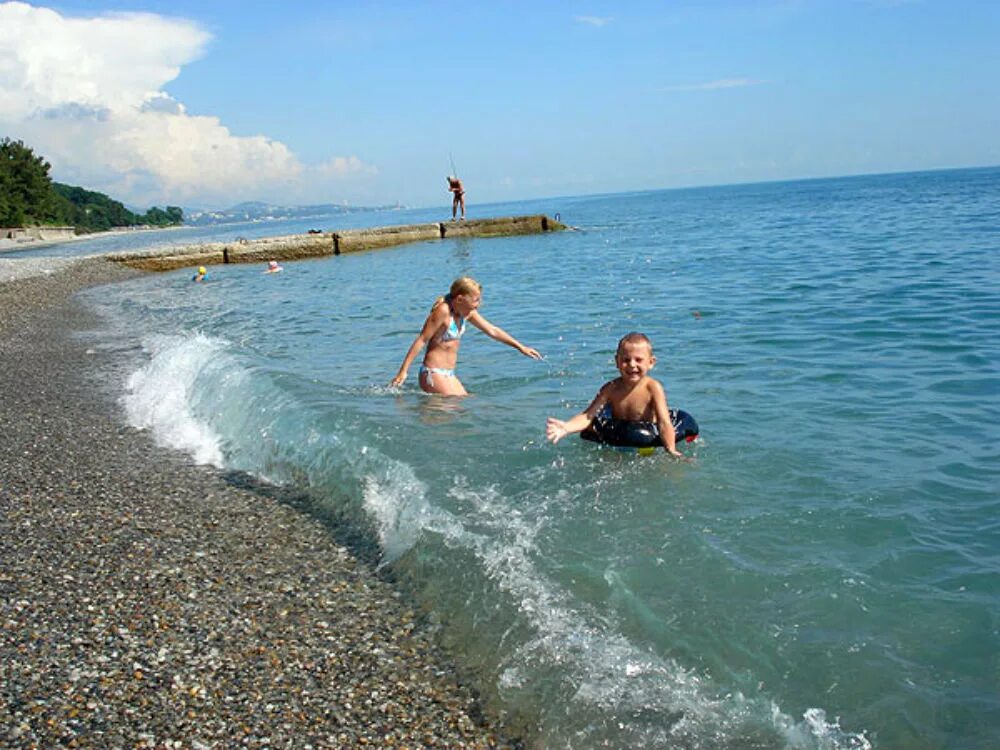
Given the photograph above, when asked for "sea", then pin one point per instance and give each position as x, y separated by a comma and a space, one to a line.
821, 572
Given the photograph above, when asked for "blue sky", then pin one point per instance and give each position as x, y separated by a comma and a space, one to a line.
209, 103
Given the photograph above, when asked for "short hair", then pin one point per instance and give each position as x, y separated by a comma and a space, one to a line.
634, 337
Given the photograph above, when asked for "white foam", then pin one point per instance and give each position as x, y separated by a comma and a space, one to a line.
814, 731
159, 396
397, 500
608, 675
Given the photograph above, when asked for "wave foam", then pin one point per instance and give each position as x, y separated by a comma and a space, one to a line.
161, 395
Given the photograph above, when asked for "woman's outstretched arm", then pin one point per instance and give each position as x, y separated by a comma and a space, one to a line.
499, 334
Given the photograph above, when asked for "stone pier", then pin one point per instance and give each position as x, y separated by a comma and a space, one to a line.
320, 244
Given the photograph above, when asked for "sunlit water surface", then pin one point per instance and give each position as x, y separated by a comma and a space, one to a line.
822, 574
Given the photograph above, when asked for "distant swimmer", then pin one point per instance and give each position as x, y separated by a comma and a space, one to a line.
201, 275
273, 267
458, 196
442, 333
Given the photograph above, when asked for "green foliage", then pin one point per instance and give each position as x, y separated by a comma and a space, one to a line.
28, 197
25, 189
160, 218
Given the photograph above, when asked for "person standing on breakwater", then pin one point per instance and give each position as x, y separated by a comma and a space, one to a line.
458, 196
442, 333
632, 397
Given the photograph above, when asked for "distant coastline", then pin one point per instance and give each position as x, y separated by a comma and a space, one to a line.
257, 211
7, 245
243, 213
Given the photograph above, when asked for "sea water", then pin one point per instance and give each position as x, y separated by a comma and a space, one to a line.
821, 573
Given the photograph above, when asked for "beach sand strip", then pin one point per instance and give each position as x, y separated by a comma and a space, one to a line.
149, 602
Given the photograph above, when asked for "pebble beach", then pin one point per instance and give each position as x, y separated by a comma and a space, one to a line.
148, 602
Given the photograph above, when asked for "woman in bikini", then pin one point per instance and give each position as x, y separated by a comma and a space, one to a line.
442, 333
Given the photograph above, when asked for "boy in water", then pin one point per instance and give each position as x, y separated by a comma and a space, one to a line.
633, 396
458, 196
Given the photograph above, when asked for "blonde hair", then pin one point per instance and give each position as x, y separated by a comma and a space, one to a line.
634, 338
462, 285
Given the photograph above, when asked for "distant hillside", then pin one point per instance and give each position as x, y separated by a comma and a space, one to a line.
94, 212
29, 197
257, 211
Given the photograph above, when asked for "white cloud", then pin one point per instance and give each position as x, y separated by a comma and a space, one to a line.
343, 166
87, 94
47, 60
723, 83
593, 20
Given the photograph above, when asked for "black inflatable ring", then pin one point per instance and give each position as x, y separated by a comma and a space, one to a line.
622, 433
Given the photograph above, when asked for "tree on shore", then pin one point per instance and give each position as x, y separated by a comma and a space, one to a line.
26, 195
29, 197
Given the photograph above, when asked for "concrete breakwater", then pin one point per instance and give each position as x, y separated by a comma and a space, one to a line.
319, 244
36, 234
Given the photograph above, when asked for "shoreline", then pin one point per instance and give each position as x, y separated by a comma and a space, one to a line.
7, 245
151, 602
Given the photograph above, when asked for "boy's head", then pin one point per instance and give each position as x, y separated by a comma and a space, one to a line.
634, 338
634, 357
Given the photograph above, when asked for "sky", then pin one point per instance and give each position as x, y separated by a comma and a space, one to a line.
204, 104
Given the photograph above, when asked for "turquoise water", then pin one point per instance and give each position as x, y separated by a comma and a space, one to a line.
822, 574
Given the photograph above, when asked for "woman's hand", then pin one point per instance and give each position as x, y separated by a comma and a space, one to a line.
398, 380
527, 351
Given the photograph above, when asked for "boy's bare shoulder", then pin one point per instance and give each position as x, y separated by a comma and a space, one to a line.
609, 387
605, 394
654, 385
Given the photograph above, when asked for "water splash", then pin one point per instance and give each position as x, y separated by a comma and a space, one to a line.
162, 395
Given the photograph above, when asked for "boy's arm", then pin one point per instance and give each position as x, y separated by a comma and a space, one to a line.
499, 334
663, 418
557, 429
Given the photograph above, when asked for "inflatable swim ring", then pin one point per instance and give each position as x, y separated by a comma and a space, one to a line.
641, 436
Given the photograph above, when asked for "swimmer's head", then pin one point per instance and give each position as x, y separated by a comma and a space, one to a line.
201, 270
469, 290
465, 285
634, 338
272, 264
